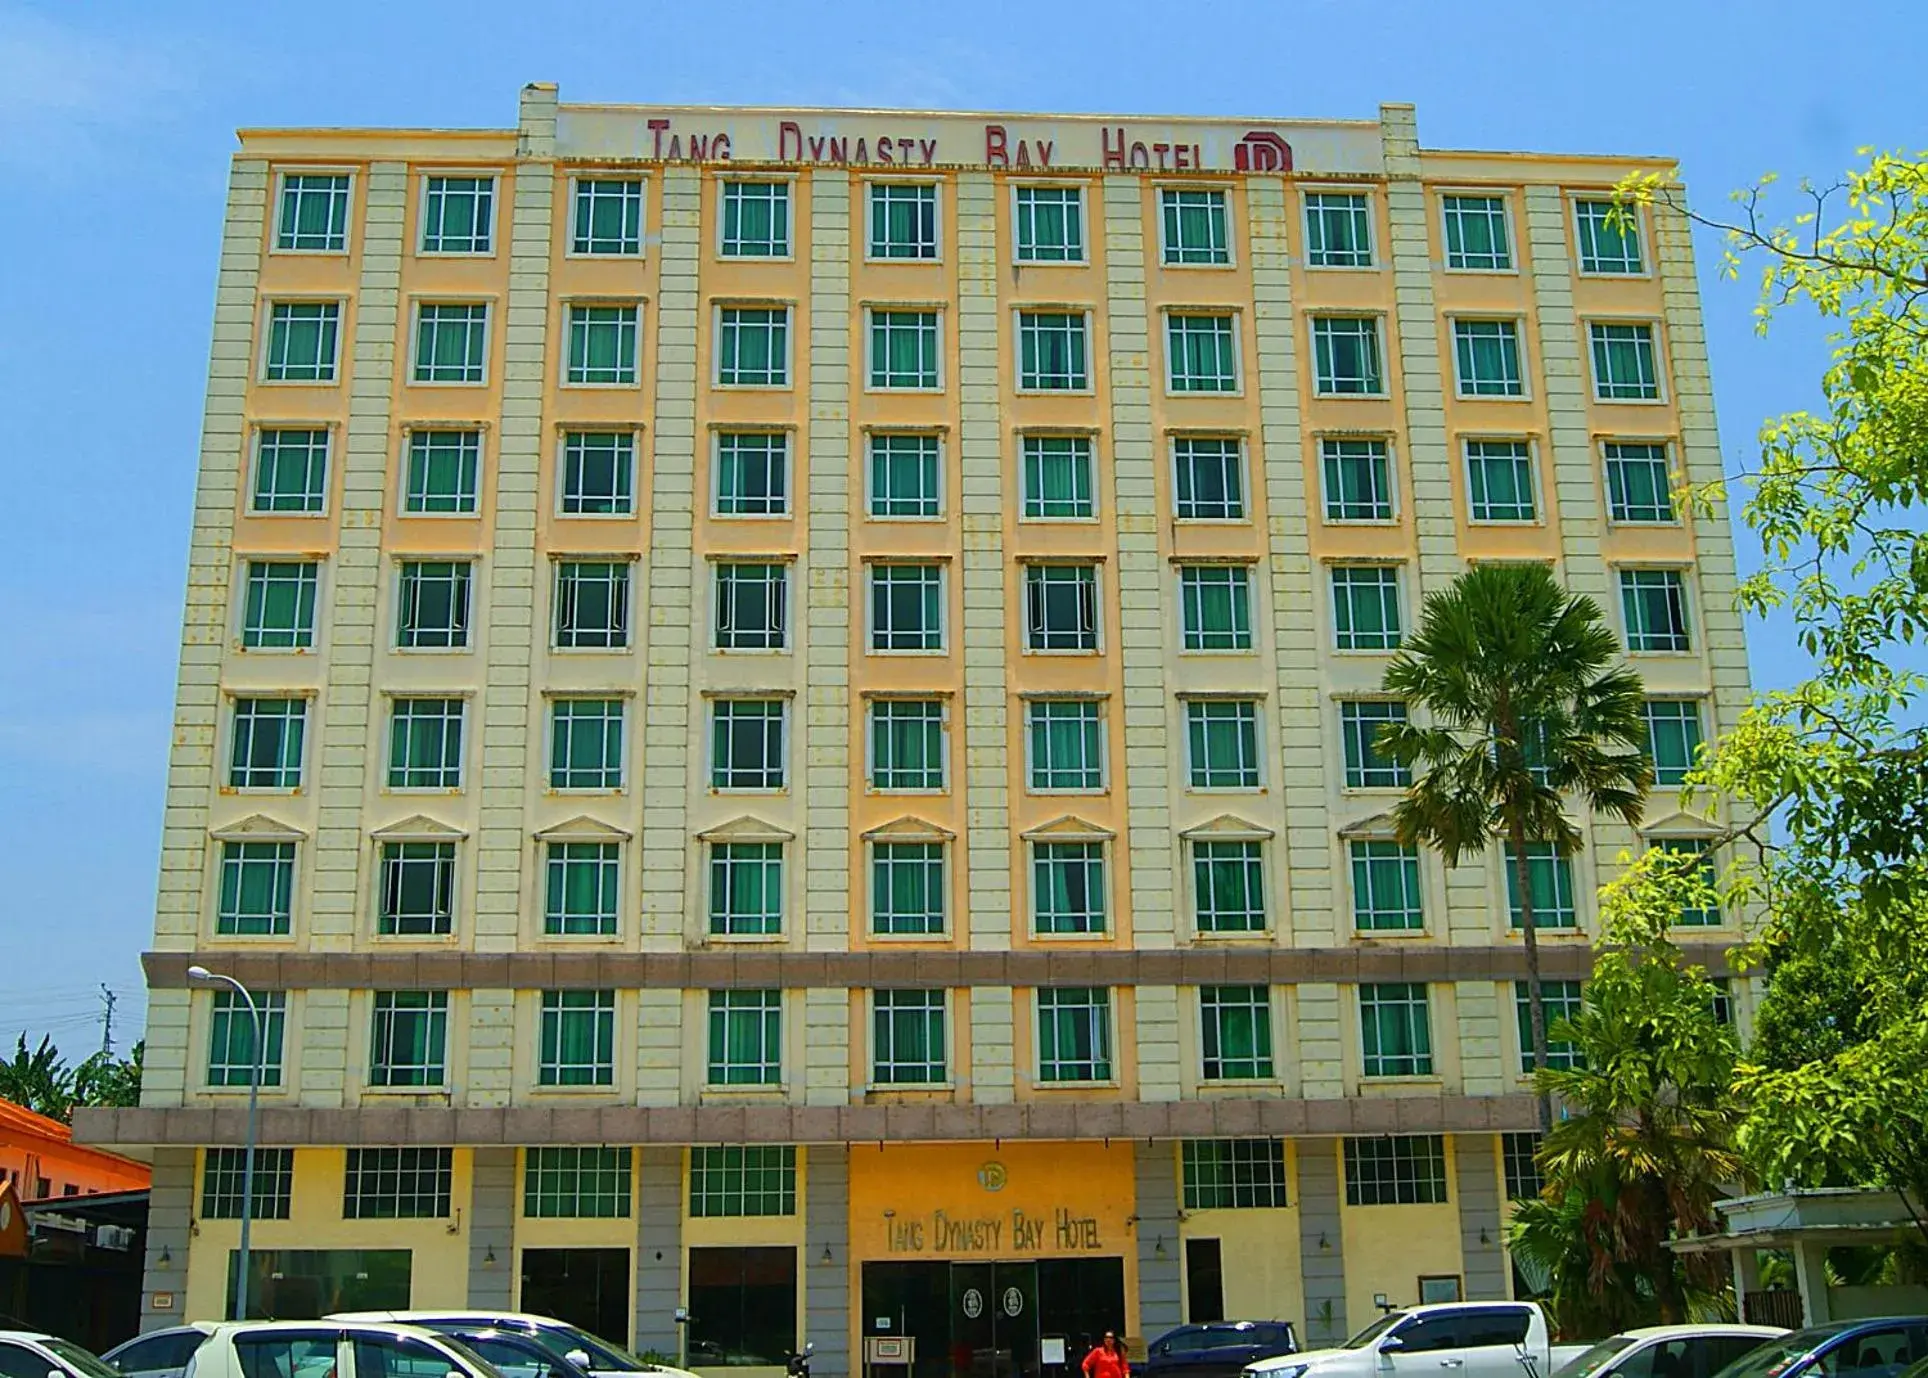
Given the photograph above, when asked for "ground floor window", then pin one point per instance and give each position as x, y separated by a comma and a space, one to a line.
743, 1306
307, 1284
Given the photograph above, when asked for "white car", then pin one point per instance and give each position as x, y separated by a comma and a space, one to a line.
158, 1353
31, 1354
1669, 1351
332, 1349
1470, 1339
571, 1344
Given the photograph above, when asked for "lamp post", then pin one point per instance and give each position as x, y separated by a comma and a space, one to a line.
203, 976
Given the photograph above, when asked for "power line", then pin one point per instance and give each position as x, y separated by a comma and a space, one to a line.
107, 1021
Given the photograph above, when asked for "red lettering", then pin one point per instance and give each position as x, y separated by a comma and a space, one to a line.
789, 135
675, 147
994, 146
1197, 161
883, 150
928, 148
839, 149
657, 127
816, 150
1181, 155
904, 146
1139, 157
1161, 150
1114, 157
1044, 152
862, 153
699, 148
720, 148
1024, 154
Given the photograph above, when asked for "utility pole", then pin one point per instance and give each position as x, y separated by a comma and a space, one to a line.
107, 1021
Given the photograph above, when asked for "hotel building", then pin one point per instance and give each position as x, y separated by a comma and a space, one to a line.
778, 708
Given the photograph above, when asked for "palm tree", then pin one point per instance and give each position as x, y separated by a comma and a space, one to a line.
1521, 703
39, 1080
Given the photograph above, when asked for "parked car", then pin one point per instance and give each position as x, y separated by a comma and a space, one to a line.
1474, 1339
1880, 1348
1218, 1349
586, 1353
1669, 1351
159, 1353
516, 1353
331, 1349
31, 1354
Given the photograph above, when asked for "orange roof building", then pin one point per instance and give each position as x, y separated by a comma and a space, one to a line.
39, 1157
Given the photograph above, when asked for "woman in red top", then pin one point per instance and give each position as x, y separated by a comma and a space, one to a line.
1108, 1359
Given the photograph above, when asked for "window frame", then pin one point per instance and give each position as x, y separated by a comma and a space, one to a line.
1411, 862
636, 326
1234, 318
1083, 260
936, 314
1193, 579
1689, 614
1656, 336
1240, 466
1535, 490
406, 495
783, 744
1376, 319
1391, 574
1082, 314
1554, 994
1096, 720
428, 1011
1364, 769
1512, 327
1100, 856
549, 1073
282, 173
1199, 719
1388, 452
925, 718
235, 698
287, 863
564, 435
1417, 1019
1607, 462
1108, 1028
784, 309
493, 177
574, 229
397, 717
1535, 852
551, 718
1253, 849
935, 186
448, 862
1264, 1009
871, 864
777, 631
627, 622
943, 629
470, 586
1097, 647
1372, 264
258, 433
556, 921
717, 436
722, 921
871, 436
947, 1060
276, 1010
412, 377
244, 572
1412, 1189
788, 182
1229, 257
1577, 199
1500, 194
763, 1010
1692, 703
269, 304
1025, 439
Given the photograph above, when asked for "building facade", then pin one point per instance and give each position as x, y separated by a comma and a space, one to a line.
778, 706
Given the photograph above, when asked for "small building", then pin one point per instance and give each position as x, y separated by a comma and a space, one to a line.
39, 1156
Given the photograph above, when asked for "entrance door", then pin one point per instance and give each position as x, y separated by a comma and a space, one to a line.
994, 1320
586, 1287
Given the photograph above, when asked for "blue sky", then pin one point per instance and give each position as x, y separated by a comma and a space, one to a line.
116, 125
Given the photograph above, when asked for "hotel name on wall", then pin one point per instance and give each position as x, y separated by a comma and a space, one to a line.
890, 142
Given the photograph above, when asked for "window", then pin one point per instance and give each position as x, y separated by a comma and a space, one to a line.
748, 1181
1639, 486
751, 603
1395, 1026
1074, 1033
1058, 483
592, 605
1654, 603
1396, 1170
1385, 886
584, 880
906, 608
303, 339
313, 216
746, 889
1338, 230
1476, 234
753, 350
1067, 745
1233, 1174
1499, 480
907, 1042
257, 888
1694, 856
1486, 356
1068, 884
223, 1170
1723, 999
907, 744
1673, 738
408, 1044
746, 744
1222, 740
290, 472
279, 612
576, 1183
451, 343
608, 216
577, 1038
602, 345
907, 889
1519, 1153
443, 467
598, 473
756, 220
586, 744
1550, 878
1360, 721
1050, 222
743, 1304
266, 749
231, 1038
903, 349
1228, 880
1210, 479
1060, 607
903, 220
752, 474
1365, 607
1201, 352
746, 1038
1215, 607
1194, 226
397, 1184
1345, 352
1560, 1000
458, 215
1608, 243
1624, 369
417, 889
425, 744
905, 476
1051, 351
1358, 480
433, 611
1235, 1032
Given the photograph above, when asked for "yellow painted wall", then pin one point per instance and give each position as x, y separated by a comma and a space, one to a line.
1389, 1248
439, 1268
1259, 1250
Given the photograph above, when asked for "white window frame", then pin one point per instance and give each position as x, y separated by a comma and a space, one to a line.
784, 745
788, 180
1378, 322
1533, 473
329, 432
871, 312
943, 646
281, 175
1018, 313
1164, 243
1401, 603
406, 458
462, 742
1107, 892
936, 188
732, 932
943, 745
570, 306
231, 715
399, 583
1097, 647
1689, 607
239, 630
569, 249
1504, 197
1643, 227
635, 434
1231, 313
494, 178
1242, 465
873, 434
1656, 336
949, 1080
555, 602
1665, 445
1269, 1005
788, 310
1104, 746
1186, 572
1372, 263
415, 341
266, 332
553, 702
1253, 702
1386, 442
1112, 1053
785, 605
1194, 893
1024, 438
1453, 323
716, 474
871, 931
1084, 224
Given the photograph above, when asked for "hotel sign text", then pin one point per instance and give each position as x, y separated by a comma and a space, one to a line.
1012, 1234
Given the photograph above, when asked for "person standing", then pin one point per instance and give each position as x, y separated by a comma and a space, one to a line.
1107, 1359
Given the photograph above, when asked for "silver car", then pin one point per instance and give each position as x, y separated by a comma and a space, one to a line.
159, 1353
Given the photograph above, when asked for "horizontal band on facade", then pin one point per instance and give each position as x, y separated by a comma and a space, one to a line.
866, 970
518, 1125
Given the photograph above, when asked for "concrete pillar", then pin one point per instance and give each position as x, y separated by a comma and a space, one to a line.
1478, 1183
492, 1229
1159, 1247
659, 1251
1747, 1278
170, 1212
1322, 1259
1811, 1277
826, 1235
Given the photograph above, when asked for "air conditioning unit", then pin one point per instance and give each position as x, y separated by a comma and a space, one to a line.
114, 1237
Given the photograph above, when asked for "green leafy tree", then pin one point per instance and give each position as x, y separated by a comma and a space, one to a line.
104, 1080
38, 1079
1647, 1145
1522, 702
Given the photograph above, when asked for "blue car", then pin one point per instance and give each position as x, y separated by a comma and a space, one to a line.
1218, 1349
1843, 1349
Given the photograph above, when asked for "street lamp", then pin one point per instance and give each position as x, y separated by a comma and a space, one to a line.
203, 976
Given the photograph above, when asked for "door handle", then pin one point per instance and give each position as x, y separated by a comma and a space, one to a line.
1452, 1363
